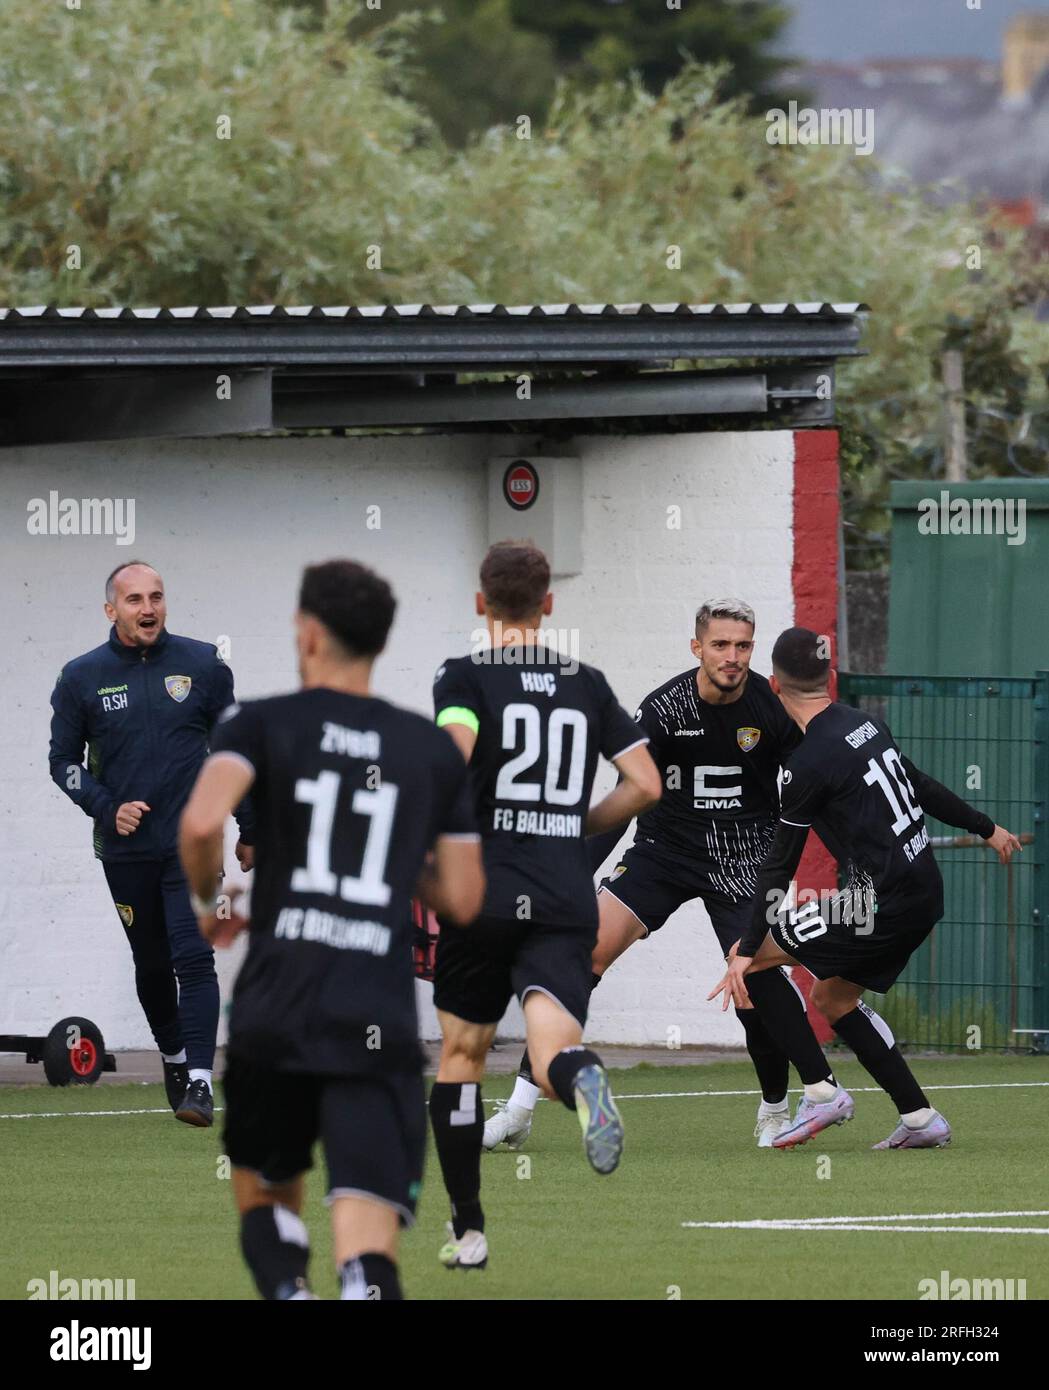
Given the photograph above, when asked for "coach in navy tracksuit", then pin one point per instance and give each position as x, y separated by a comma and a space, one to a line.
144, 703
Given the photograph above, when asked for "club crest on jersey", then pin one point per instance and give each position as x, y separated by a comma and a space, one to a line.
125, 913
747, 738
178, 687
619, 869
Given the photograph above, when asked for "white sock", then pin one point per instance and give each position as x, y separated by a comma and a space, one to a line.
525, 1095
774, 1107
918, 1119
820, 1091
200, 1074
175, 1058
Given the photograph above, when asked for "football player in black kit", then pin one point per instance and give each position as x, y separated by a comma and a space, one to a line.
719, 737
532, 724
351, 797
850, 783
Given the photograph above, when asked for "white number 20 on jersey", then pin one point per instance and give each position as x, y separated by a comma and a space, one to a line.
561, 722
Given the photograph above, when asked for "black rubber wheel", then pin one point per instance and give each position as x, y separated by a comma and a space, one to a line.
74, 1053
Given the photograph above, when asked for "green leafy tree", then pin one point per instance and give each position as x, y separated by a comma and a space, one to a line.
239, 153
603, 39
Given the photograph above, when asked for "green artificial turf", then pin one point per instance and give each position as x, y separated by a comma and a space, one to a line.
139, 1196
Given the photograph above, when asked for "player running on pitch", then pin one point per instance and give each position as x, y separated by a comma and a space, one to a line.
850, 783
532, 724
719, 737
350, 795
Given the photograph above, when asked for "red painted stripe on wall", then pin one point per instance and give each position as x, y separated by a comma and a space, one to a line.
814, 576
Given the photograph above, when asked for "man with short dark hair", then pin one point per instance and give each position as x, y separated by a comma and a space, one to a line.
144, 704
352, 797
850, 783
532, 725
719, 737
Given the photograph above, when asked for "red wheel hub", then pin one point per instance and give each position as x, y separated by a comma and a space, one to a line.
83, 1057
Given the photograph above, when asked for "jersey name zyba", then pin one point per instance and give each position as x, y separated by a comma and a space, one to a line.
350, 794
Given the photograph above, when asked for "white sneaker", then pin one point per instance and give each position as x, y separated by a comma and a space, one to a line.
468, 1251
772, 1120
510, 1125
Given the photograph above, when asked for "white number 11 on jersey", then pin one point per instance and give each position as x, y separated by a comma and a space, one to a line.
369, 890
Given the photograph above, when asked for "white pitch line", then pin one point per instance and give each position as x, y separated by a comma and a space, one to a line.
893, 1229
651, 1095
906, 1216
81, 1114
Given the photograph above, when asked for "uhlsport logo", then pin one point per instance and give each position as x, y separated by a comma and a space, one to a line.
178, 687
747, 738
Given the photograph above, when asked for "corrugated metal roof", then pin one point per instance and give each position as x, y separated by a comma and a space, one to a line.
250, 312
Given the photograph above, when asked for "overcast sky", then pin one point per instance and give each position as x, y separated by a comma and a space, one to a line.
847, 30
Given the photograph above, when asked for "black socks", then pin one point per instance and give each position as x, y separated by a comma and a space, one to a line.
276, 1247
783, 1014
770, 1061
370, 1277
871, 1039
458, 1125
564, 1069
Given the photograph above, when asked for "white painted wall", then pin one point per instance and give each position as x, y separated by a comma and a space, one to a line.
230, 523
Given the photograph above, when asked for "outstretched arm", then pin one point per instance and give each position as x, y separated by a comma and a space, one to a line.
945, 805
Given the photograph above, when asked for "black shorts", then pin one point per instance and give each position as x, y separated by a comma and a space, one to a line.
874, 959
654, 884
373, 1129
480, 968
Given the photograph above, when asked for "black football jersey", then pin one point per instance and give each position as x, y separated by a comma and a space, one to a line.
849, 781
720, 765
350, 793
541, 724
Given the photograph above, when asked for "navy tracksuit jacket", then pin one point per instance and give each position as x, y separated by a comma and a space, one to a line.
145, 716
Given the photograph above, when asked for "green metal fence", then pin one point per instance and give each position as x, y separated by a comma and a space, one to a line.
981, 981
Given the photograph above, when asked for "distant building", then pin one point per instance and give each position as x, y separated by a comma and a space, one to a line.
982, 123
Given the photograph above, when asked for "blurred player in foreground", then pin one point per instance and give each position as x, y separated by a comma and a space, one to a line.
351, 794
532, 724
850, 783
719, 737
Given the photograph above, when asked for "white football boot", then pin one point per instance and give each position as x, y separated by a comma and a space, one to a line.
509, 1125
772, 1120
468, 1251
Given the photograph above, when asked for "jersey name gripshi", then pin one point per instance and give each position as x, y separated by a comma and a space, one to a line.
849, 782
720, 765
541, 723
350, 793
